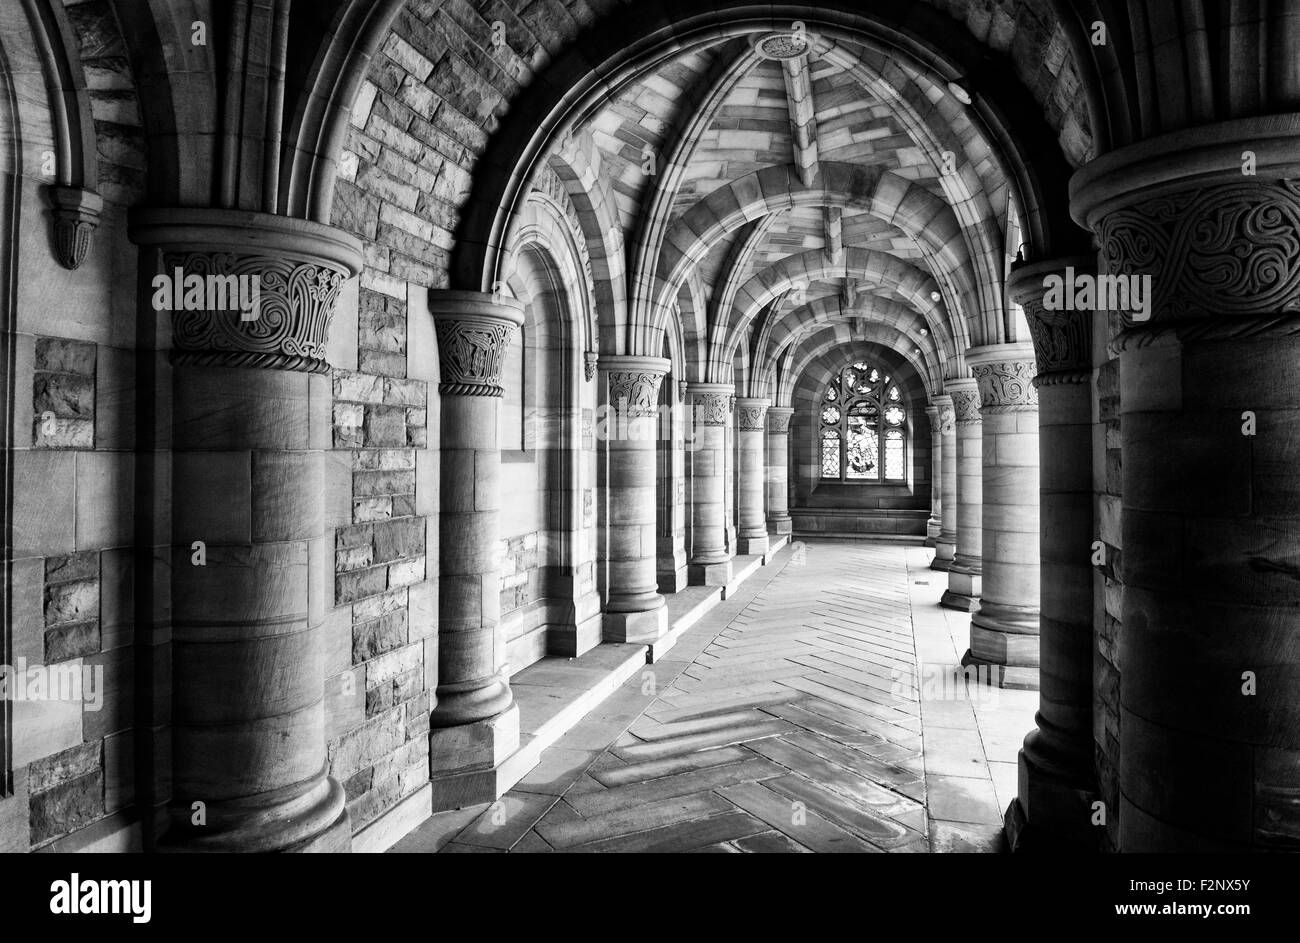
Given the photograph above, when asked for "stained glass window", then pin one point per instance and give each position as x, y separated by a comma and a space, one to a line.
861, 410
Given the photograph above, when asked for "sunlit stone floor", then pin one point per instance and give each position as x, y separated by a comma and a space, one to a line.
818, 709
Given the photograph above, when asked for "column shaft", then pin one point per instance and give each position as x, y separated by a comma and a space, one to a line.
710, 558
634, 611
475, 722
964, 574
945, 545
751, 422
1057, 785
251, 567
778, 469
1210, 507
935, 522
1004, 630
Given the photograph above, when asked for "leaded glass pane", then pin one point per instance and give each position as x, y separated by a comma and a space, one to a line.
894, 415
832, 395
894, 454
862, 453
830, 454
893, 394
830, 415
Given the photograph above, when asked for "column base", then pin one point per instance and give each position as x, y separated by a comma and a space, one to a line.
464, 703
944, 553
648, 625
474, 746
1007, 636
780, 525
674, 580
308, 817
466, 762
963, 592
581, 630
1050, 814
933, 528
1002, 676
753, 545
710, 574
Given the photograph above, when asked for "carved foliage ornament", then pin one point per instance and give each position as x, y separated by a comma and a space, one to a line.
635, 393
712, 409
590, 359
76, 216
778, 421
966, 405
470, 356
1224, 250
750, 418
947, 419
296, 301
1006, 385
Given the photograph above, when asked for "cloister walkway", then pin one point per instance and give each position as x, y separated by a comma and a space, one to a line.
818, 709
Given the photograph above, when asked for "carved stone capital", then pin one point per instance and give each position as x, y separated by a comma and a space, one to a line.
1217, 244
947, 418
473, 330
589, 361
965, 399
294, 268
634, 384
1062, 339
76, 216
778, 420
711, 402
751, 414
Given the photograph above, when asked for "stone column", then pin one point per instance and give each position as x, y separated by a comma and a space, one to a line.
935, 522
945, 545
751, 421
963, 590
1209, 717
778, 469
475, 722
634, 611
1053, 806
1004, 629
710, 559
251, 568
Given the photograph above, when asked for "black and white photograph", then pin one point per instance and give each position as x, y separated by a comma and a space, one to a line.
650, 427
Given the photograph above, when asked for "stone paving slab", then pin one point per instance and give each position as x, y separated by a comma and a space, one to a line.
811, 710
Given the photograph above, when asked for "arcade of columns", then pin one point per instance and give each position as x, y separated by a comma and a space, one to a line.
1012, 523
1055, 520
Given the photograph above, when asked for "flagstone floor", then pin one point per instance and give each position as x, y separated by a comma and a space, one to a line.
818, 709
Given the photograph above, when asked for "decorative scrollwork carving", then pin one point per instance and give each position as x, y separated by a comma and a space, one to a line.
635, 393
1230, 249
589, 360
471, 353
296, 303
1006, 385
712, 409
778, 421
966, 405
751, 418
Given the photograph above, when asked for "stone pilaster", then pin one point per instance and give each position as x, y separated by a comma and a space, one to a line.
1004, 630
711, 412
964, 573
945, 545
1056, 789
779, 521
935, 522
251, 572
634, 610
1209, 718
751, 422
475, 722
